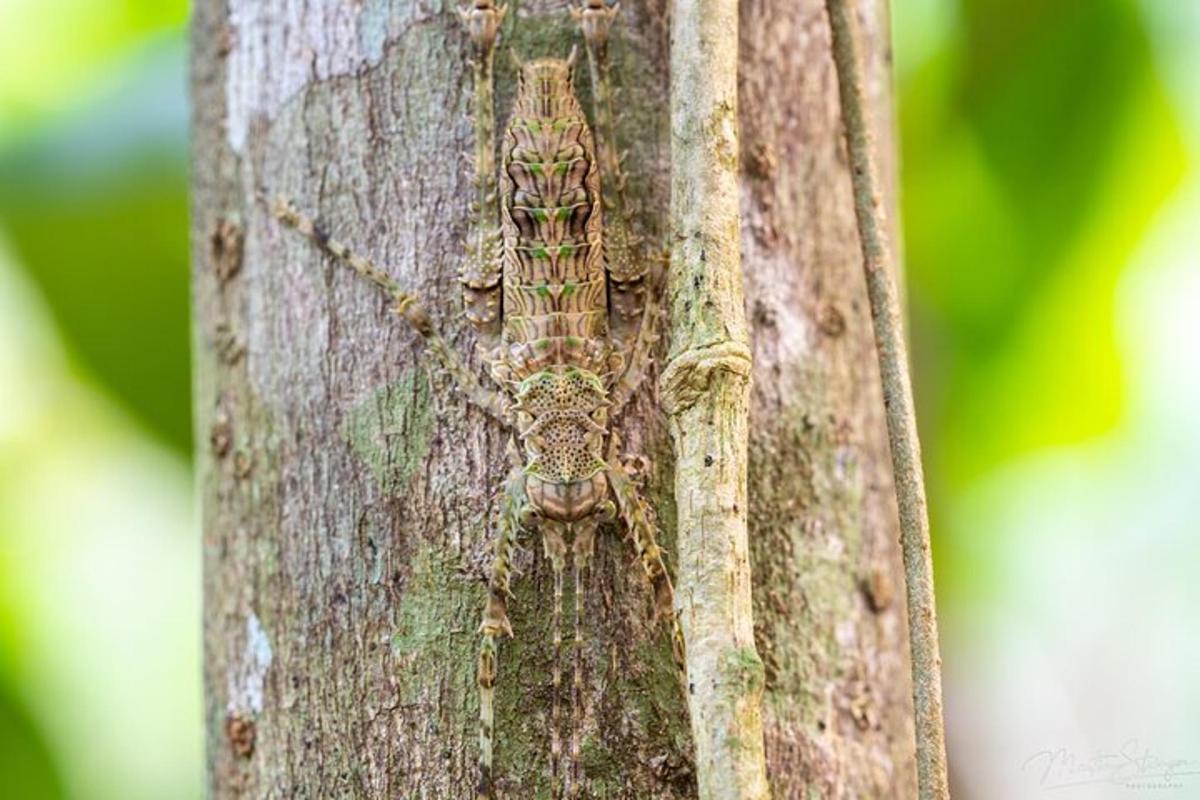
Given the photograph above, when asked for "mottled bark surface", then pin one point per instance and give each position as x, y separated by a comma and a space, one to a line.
828, 586
347, 493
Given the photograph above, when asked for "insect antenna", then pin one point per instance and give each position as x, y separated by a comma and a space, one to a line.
487, 715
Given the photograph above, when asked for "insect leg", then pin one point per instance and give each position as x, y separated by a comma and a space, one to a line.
406, 305
482, 270
581, 559
556, 552
624, 255
495, 623
595, 18
642, 352
635, 514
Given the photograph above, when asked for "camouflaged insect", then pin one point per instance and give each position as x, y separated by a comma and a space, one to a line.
567, 299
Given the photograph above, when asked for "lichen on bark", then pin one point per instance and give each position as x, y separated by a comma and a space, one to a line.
390, 430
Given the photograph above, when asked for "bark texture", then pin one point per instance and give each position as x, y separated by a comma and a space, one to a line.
347, 494
828, 597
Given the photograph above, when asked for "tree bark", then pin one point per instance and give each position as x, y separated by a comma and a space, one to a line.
828, 583
347, 493
933, 782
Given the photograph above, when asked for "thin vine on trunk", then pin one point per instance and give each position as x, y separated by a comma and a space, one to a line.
933, 782
706, 394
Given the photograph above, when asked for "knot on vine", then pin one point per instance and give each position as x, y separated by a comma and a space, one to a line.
687, 376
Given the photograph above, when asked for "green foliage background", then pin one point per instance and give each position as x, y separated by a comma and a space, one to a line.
1041, 143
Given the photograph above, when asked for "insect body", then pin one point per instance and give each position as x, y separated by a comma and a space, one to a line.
538, 269
555, 351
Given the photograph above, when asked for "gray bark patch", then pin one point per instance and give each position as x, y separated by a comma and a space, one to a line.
247, 679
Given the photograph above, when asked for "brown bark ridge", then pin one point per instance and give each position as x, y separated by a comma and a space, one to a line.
346, 493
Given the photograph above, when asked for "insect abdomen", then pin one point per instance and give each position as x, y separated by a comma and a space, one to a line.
555, 292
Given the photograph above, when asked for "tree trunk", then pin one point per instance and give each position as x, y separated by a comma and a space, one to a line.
348, 494
828, 583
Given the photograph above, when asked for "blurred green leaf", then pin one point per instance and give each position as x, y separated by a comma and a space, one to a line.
95, 206
49, 58
1016, 138
1038, 144
28, 771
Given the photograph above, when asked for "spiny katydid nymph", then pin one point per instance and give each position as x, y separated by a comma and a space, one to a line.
565, 301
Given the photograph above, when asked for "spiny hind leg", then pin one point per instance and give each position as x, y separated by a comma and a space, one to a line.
634, 319
638, 519
642, 353
495, 623
595, 18
482, 268
405, 304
